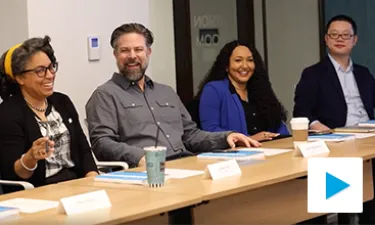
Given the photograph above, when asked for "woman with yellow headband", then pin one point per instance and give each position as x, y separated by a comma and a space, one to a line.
41, 140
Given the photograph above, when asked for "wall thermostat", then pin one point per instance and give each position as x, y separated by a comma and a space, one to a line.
93, 48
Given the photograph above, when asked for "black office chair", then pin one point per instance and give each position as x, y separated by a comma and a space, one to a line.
193, 109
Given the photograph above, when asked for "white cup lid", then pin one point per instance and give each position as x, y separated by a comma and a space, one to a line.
299, 120
153, 148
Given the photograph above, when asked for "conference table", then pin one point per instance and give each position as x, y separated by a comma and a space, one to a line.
127, 205
273, 191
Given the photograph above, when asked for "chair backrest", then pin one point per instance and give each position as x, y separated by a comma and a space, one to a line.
1, 187
95, 159
193, 109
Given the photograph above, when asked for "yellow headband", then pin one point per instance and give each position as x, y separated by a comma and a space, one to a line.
8, 61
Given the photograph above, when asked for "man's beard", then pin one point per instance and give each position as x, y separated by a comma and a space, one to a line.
134, 74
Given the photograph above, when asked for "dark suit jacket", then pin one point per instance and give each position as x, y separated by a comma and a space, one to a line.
319, 95
19, 129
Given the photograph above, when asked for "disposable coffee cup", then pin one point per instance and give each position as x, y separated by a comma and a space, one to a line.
300, 130
155, 165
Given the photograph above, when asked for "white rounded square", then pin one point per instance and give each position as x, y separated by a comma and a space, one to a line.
335, 185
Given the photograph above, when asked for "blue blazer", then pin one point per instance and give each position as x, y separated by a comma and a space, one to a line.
319, 96
220, 110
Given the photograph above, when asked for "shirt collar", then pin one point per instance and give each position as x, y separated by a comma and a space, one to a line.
232, 89
338, 66
125, 83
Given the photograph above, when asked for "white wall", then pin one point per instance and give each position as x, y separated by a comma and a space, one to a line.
293, 43
13, 23
69, 23
163, 59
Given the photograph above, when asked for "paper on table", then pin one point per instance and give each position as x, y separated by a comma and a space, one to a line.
334, 137
360, 135
268, 151
181, 174
28, 205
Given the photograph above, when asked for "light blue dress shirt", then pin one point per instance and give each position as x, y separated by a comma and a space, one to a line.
356, 110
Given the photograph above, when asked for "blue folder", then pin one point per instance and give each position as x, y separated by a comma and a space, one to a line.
330, 136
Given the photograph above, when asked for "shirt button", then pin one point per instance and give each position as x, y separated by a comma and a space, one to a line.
254, 114
166, 103
152, 108
133, 104
255, 128
133, 83
158, 123
167, 135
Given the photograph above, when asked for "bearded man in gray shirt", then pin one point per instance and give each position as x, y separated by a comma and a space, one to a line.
125, 113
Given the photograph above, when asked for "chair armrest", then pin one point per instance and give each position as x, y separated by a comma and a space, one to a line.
25, 185
123, 165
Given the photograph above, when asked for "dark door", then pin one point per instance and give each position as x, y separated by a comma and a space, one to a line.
201, 28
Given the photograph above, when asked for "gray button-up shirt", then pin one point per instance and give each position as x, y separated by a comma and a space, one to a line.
122, 120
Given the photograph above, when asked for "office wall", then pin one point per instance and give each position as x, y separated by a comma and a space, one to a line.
204, 16
293, 44
292, 31
13, 25
163, 59
362, 13
69, 23
259, 29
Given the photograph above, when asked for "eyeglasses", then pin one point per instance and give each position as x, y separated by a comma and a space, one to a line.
336, 36
41, 71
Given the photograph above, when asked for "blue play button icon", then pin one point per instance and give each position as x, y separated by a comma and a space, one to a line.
334, 185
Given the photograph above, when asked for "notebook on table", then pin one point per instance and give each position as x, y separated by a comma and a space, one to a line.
370, 123
355, 129
235, 154
8, 211
123, 177
331, 137
281, 136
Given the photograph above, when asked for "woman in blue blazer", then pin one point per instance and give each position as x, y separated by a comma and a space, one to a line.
237, 95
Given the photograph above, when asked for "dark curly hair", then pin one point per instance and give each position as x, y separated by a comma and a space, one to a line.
20, 57
259, 87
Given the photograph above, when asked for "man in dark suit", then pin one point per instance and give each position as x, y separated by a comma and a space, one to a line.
337, 92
